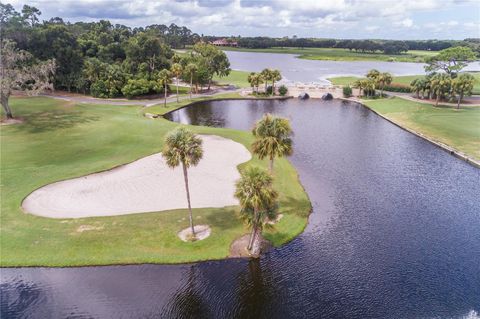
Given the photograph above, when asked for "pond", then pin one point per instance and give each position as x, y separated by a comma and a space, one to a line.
394, 233
317, 71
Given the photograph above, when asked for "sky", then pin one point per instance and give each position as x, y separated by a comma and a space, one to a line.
352, 19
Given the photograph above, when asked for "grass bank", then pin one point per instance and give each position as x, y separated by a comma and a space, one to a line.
333, 54
404, 80
459, 129
237, 78
61, 140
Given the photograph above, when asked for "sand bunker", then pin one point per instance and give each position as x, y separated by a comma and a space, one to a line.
146, 185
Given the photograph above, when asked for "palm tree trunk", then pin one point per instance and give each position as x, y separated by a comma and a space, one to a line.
6, 106
191, 85
437, 99
460, 97
165, 94
185, 176
273, 87
254, 229
177, 89
271, 164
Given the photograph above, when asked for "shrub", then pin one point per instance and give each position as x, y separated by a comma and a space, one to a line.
282, 90
347, 91
139, 87
99, 89
397, 87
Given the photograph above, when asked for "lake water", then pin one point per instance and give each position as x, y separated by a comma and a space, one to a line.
317, 71
394, 233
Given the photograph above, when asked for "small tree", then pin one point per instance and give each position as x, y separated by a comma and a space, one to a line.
283, 90
191, 69
451, 60
19, 71
177, 71
275, 77
347, 91
164, 78
440, 85
183, 147
373, 74
272, 138
417, 86
463, 85
266, 75
257, 201
383, 79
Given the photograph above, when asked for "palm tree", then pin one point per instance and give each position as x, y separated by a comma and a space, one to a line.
250, 79
275, 76
369, 87
440, 85
185, 148
257, 200
177, 71
165, 77
359, 84
417, 85
257, 80
463, 85
272, 138
266, 75
373, 74
191, 69
383, 79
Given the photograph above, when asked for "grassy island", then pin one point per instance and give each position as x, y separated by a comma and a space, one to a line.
60, 140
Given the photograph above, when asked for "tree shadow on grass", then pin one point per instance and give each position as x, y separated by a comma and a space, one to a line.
295, 206
226, 220
53, 120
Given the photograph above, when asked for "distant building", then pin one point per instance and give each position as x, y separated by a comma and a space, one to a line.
224, 43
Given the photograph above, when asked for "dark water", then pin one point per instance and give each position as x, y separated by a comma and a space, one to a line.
394, 233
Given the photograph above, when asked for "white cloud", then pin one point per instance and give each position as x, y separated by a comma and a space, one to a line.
372, 28
321, 18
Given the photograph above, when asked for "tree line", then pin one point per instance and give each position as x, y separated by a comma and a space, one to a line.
444, 80
364, 45
97, 54
100, 58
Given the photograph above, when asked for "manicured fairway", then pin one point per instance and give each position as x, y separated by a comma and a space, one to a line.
459, 129
61, 140
342, 54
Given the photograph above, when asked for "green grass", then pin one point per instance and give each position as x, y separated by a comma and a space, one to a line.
459, 129
237, 78
342, 54
60, 140
405, 80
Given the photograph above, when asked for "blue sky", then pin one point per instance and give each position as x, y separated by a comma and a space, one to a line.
382, 19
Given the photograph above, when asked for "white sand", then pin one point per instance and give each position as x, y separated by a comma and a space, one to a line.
201, 232
146, 185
